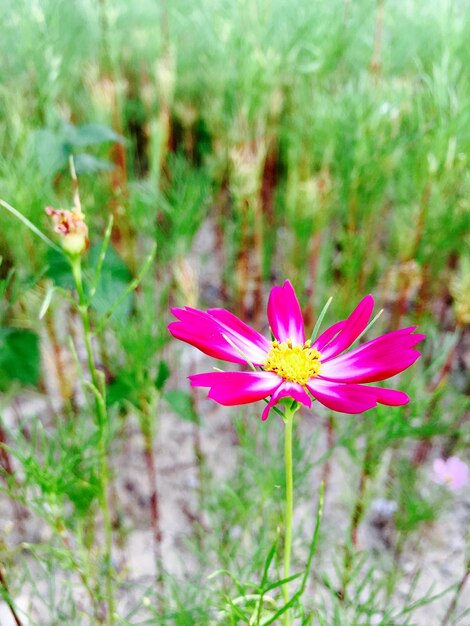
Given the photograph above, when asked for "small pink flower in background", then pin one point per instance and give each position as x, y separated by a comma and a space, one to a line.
290, 365
453, 473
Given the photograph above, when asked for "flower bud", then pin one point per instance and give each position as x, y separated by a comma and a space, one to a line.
72, 228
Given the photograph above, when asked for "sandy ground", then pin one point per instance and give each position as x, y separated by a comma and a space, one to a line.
438, 550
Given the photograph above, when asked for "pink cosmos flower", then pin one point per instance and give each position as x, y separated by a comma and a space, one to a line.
453, 473
290, 365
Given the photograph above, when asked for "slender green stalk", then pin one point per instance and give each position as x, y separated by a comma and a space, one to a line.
31, 226
289, 421
320, 319
103, 428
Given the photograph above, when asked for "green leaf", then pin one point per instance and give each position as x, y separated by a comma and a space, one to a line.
52, 148
5, 282
59, 269
162, 375
46, 302
269, 559
50, 151
182, 404
88, 164
82, 493
119, 390
95, 134
113, 281
19, 357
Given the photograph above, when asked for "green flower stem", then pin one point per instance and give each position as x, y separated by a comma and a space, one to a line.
289, 421
103, 428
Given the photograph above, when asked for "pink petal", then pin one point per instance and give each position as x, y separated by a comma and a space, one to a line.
454, 464
452, 473
230, 388
205, 331
352, 328
458, 470
440, 469
284, 314
348, 398
287, 389
242, 335
324, 339
461, 479
376, 360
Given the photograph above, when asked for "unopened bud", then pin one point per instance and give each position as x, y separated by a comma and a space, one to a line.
71, 227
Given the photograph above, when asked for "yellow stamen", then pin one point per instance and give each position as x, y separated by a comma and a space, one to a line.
295, 363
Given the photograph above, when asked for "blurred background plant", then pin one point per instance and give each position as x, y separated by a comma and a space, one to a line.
251, 142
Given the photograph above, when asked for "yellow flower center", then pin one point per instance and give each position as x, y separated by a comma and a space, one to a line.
295, 363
